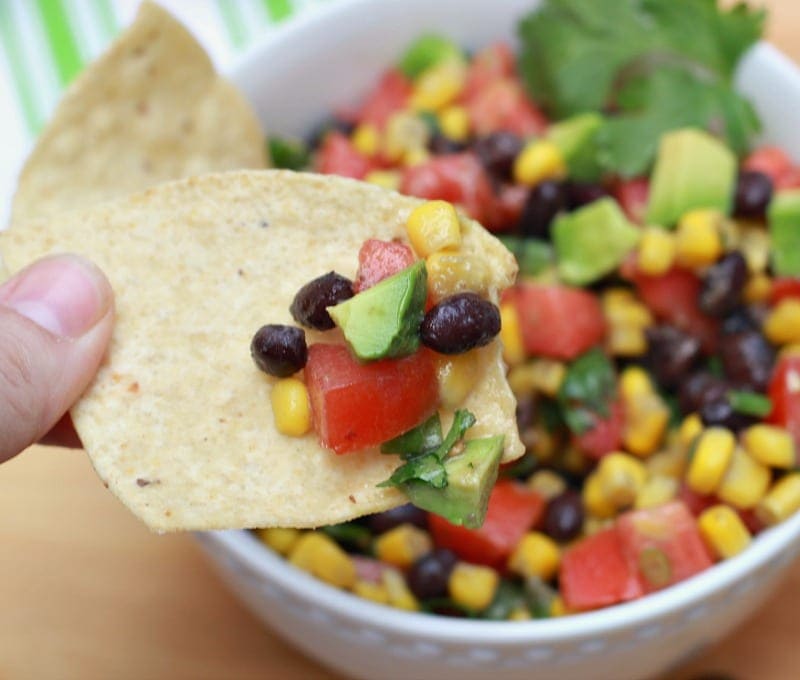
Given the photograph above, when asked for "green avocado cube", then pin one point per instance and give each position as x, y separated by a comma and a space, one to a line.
427, 51
592, 241
783, 217
576, 137
382, 322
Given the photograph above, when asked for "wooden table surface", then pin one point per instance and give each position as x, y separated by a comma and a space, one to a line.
87, 592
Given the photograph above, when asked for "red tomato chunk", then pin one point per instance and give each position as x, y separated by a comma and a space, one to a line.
784, 391
606, 435
389, 96
355, 406
378, 260
338, 156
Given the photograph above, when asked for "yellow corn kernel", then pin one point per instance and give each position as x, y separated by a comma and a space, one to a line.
634, 383
657, 250
388, 179
366, 139
539, 375
403, 545
671, 462
438, 86
279, 539
541, 442
656, 491
691, 426
519, 614
646, 421
723, 531
758, 288
755, 246
572, 459
781, 501
593, 525
697, 240
433, 226
770, 445
404, 131
290, 407
790, 350
511, 335
782, 325
595, 500
399, 594
626, 340
712, 455
547, 484
321, 556
458, 374
451, 272
558, 607
746, 481
454, 123
535, 555
371, 591
539, 160
621, 477
416, 157
473, 586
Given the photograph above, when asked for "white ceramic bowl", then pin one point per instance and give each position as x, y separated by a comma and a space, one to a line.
326, 60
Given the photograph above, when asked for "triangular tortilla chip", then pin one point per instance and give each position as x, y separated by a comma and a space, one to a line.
151, 109
178, 422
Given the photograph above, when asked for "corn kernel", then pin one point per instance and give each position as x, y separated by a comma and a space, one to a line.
573, 460
539, 375
519, 614
547, 484
671, 462
371, 591
433, 226
593, 525
781, 501
723, 531
320, 555
404, 132
712, 455
541, 442
279, 539
745, 482
451, 272
458, 374
691, 426
399, 594
758, 288
635, 383
539, 160
290, 407
415, 157
595, 500
656, 491
790, 350
473, 586
657, 249
535, 555
438, 86
646, 421
782, 325
403, 545
511, 335
454, 123
770, 445
366, 139
698, 241
621, 477
388, 179
755, 246
558, 607
626, 341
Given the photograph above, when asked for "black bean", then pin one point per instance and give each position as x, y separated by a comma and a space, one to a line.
440, 144
739, 319
720, 412
526, 412
497, 152
460, 323
308, 307
279, 350
382, 522
671, 353
722, 284
429, 575
563, 518
332, 124
700, 388
753, 194
583, 193
747, 359
544, 202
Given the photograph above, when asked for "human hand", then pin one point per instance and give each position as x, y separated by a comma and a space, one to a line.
56, 317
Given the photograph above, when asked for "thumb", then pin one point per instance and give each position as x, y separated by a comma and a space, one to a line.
55, 322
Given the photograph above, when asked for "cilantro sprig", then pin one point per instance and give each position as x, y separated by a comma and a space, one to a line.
649, 65
588, 388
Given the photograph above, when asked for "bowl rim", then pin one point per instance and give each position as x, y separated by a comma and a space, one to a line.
768, 547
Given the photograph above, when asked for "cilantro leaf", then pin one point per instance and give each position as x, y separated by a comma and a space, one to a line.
417, 441
750, 403
588, 387
425, 468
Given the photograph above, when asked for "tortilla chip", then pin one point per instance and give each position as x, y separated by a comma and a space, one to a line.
178, 422
151, 109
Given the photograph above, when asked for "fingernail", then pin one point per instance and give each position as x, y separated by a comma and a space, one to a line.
63, 294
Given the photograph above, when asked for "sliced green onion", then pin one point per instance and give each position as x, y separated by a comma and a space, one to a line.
750, 403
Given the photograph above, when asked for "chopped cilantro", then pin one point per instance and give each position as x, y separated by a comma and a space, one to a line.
288, 154
750, 403
588, 388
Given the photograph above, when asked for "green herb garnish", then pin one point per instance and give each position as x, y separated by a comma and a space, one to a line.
750, 403
588, 388
288, 154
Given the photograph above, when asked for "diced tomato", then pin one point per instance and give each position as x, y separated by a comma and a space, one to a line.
355, 405
490, 64
557, 321
770, 160
458, 178
595, 573
672, 297
390, 95
338, 156
694, 501
662, 545
789, 180
513, 510
506, 209
378, 260
606, 435
784, 287
784, 391
504, 106
632, 195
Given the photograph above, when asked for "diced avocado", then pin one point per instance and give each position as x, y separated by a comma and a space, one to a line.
426, 51
592, 241
383, 321
783, 217
533, 255
692, 170
577, 139
289, 154
471, 475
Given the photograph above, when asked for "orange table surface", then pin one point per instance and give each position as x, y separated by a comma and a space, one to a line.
87, 592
